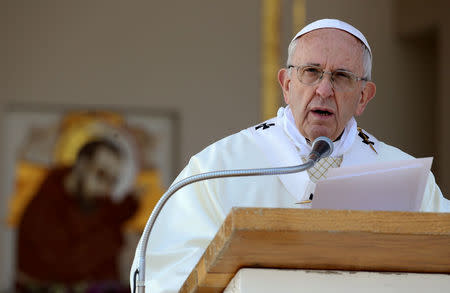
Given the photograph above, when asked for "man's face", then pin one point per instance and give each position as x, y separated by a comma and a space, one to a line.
330, 49
101, 174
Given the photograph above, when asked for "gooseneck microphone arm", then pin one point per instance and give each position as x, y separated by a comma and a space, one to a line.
322, 147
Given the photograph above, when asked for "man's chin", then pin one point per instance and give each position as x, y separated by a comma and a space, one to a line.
315, 133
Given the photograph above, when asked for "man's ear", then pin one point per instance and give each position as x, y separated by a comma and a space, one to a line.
285, 82
367, 94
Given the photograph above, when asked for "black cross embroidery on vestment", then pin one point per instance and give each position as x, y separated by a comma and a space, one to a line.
264, 126
365, 138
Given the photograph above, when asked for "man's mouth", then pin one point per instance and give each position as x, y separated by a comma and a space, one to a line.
322, 112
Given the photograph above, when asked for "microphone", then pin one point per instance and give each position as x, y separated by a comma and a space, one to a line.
322, 147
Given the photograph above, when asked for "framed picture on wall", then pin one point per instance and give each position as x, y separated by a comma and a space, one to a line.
40, 138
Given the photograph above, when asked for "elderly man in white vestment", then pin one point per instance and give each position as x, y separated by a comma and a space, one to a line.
326, 83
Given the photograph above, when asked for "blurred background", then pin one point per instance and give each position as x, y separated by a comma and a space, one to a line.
200, 70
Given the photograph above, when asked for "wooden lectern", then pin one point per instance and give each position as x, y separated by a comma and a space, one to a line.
323, 240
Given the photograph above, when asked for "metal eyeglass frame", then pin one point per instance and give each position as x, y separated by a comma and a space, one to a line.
353, 76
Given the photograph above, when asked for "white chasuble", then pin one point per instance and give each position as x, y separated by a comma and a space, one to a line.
193, 215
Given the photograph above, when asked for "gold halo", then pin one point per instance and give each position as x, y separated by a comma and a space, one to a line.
77, 128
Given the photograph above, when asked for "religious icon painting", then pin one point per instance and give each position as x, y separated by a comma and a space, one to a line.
39, 140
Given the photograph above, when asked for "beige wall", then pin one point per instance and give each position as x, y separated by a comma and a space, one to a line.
191, 56
443, 103
413, 19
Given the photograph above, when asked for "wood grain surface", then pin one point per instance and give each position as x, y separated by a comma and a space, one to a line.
325, 240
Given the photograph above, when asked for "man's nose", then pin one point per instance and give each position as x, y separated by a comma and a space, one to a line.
325, 86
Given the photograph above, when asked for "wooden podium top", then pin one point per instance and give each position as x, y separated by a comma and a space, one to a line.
323, 239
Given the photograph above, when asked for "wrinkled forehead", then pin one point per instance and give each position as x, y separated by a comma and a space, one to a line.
329, 45
330, 35
330, 38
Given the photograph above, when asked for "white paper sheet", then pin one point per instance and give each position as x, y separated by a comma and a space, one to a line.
388, 186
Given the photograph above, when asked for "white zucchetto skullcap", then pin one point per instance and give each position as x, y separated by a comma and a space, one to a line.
334, 23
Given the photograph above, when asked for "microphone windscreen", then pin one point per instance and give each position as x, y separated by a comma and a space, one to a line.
322, 147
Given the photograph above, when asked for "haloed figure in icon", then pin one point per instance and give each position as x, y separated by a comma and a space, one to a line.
70, 234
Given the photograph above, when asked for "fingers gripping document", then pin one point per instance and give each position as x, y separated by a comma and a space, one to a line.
383, 186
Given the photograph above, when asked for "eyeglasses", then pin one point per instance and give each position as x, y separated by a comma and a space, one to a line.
341, 80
